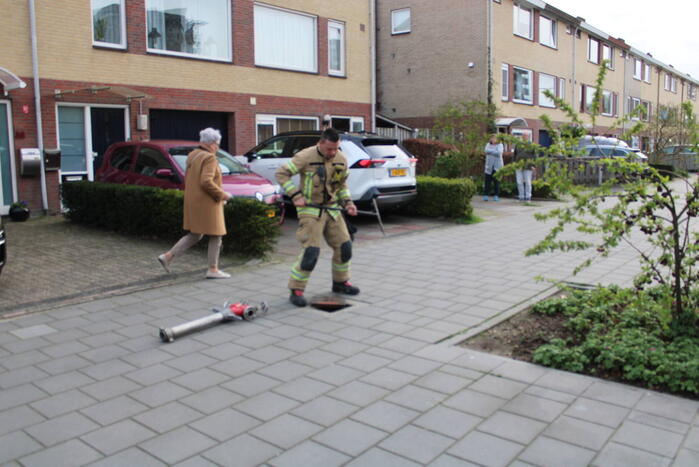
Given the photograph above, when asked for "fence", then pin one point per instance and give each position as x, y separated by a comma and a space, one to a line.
396, 132
583, 173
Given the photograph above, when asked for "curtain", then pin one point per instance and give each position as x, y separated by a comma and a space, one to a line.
284, 39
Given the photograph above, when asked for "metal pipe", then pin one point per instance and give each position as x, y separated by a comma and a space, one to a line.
229, 312
372, 39
37, 104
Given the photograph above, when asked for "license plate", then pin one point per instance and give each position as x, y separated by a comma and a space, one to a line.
397, 172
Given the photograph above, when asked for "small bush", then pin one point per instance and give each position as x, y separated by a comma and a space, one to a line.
157, 213
443, 197
426, 151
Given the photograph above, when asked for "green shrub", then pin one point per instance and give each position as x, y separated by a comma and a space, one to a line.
449, 165
157, 213
444, 197
426, 151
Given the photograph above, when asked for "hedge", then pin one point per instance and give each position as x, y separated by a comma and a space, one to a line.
444, 197
427, 151
157, 213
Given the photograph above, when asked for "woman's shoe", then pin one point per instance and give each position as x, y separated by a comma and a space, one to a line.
496, 198
485, 197
217, 275
162, 259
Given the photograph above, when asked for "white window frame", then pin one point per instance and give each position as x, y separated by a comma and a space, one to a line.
593, 58
610, 57
646, 72
607, 96
394, 31
87, 119
515, 21
648, 107
562, 89
673, 84
229, 33
543, 100
505, 82
531, 86
259, 61
634, 102
637, 69
271, 119
341, 27
11, 149
554, 32
589, 97
122, 26
359, 121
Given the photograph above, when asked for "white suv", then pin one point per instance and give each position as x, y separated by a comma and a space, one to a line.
379, 167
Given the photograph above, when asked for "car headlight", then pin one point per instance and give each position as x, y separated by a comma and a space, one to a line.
259, 196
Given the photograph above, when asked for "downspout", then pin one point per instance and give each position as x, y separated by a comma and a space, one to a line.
37, 104
574, 83
372, 39
489, 82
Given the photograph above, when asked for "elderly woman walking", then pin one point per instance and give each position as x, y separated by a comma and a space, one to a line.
203, 204
493, 162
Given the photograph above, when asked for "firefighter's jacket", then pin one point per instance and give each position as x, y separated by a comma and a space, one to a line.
323, 182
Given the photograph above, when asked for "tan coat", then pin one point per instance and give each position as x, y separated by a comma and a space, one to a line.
203, 196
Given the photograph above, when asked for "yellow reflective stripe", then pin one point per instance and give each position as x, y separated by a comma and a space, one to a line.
343, 267
292, 168
289, 187
307, 210
343, 194
308, 185
299, 276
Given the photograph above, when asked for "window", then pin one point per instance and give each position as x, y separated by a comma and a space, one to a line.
522, 86
357, 124
522, 22
637, 68
547, 31
336, 48
607, 103
587, 97
646, 110
546, 83
608, 55
270, 125
673, 84
108, 26
562, 88
195, 28
635, 112
593, 50
505, 73
667, 82
400, 21
646, 73
692, 91
285, 39
121, 158
149, 161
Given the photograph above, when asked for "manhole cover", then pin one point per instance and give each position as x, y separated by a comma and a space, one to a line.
329, 303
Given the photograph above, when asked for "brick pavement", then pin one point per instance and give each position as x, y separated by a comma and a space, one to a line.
91, 384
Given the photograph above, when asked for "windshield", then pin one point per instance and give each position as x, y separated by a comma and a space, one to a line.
381, 151
228, 165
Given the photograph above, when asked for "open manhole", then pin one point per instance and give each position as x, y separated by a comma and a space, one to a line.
329, 303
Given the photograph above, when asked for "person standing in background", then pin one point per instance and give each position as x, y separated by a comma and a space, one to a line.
493, 162
524, 174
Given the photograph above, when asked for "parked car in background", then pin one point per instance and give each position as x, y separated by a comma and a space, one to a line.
162, 163
3, 245
681, 157
613, 151
379, 167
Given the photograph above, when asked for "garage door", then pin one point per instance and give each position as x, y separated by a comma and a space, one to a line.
183, 124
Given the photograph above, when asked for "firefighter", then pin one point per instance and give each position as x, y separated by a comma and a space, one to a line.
323, 175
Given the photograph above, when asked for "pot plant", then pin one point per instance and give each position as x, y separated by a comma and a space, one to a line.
19, 211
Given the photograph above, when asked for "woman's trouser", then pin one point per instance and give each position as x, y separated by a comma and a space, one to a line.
191, 239
489, 181
524, 183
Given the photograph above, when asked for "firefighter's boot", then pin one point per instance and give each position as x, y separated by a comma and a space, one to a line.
345, 288
297, 298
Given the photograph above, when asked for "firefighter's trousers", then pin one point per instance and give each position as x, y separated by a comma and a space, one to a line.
311, 230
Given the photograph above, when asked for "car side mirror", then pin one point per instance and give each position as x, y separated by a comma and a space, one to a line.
163, 173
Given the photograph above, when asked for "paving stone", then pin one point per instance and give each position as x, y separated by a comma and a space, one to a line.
212, 399
618, 455
479, 361
658, 422
147, 358
535, 407
612, 393
448, 421
598, 412
242, 451
548, 451
358, 393
686, 458
475, 403
32, 331
442, 382
153, 374
303, 389
62, 428
110, 388
556, 396
22, 375
102, 354
251, 384
648, 438
445, 460
63, 382
127, 458
285, 370
417, 444
389, 379
64, 365
177, 445
225, 424
385, 416
237, 366
167, 417
113, 410
32, 357
365, 362
200, 379
266, 406
485, 449
574, 431
286, 431
159, 394
310, 454
675, 408
415, 365
403, 344
317, 358
68, 454
271, 354
335, 374
191, 362
324, 410
416, 398
62, 403
379, 457
117, 437
498, 386
350, 437
15, 445
106, 370
513, 427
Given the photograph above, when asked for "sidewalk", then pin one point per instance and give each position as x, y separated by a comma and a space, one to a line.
91, 383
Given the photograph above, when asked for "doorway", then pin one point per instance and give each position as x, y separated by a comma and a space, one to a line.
185, 124
7, 189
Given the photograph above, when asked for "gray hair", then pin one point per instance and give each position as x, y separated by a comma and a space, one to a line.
209, 135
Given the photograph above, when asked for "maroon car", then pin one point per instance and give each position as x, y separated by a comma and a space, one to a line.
162, 163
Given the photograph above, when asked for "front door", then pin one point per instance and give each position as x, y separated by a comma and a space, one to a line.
107, 128
6, 185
